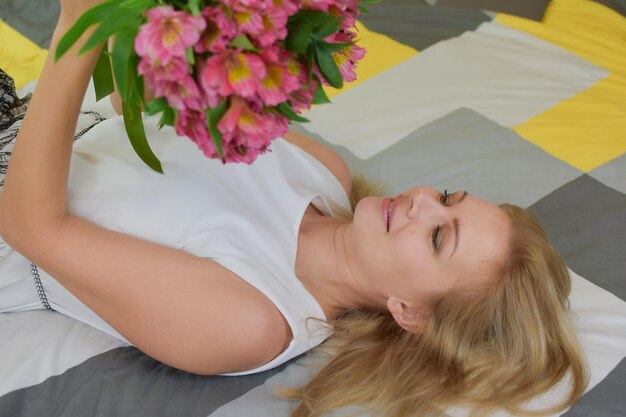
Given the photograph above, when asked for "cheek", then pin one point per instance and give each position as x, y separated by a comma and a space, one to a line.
411, 253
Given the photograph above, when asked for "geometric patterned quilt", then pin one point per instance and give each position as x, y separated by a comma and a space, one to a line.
510, 109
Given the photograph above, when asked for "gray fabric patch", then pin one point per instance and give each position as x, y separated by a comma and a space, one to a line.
606, 399
586, 221
618, 5
125, 382
464, 151
612, 174
34, 19
529, 9
420, 25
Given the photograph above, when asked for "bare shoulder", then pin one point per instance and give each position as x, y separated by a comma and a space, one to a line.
329, 158
244, 332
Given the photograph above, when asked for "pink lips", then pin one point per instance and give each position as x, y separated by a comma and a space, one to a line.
388, 216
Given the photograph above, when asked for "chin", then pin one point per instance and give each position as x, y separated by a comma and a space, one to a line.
368, 212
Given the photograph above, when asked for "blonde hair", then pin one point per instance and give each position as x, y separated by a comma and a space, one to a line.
497, 349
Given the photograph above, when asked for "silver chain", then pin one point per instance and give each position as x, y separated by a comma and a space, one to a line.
39, 285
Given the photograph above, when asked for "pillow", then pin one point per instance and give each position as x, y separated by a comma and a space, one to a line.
530, 9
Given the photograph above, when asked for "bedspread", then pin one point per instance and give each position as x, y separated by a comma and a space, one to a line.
510, 109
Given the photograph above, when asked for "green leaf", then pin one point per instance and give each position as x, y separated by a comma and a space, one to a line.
121, 60
298, 36
320, 97
335, 47
191, 59
124, 15
371, 1
136, 133
242, 41
315, 18
89, 18
102, 77
213, 116
328, 28
168, 117
194, 6
363, 10
286, 110
327, 65
109, 26
138, 84
157, 105
310, 58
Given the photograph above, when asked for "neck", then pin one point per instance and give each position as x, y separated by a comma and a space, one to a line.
323, 266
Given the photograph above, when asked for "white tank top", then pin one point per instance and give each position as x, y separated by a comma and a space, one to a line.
245, 217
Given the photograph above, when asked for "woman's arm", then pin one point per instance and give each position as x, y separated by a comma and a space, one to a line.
34, 199
185, 311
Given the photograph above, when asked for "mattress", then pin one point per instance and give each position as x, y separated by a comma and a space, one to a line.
509, 109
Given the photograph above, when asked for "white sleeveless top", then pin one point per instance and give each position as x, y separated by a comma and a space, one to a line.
245, 217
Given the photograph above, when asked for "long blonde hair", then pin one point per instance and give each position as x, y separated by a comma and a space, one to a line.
495, 350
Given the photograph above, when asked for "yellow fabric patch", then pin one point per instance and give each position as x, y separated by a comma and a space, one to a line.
382, 53
19, 57
585, 131
588, 129
583, 27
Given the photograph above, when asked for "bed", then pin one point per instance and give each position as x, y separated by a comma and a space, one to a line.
509, 108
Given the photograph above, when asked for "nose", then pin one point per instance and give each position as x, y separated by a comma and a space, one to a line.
426, 202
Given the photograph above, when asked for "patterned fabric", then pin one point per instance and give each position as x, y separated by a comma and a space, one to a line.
12, 110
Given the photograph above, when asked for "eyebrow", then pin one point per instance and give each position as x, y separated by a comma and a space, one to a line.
455, 223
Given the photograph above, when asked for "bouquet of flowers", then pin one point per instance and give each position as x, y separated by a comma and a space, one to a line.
228, 74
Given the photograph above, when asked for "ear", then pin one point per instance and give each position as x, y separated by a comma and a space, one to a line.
412, 317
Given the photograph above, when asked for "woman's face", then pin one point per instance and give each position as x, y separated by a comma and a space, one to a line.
421, 244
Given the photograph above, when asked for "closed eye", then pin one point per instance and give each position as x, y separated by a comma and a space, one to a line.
443, 198
436, 239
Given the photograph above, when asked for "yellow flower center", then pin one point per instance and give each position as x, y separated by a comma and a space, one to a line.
239, 69
340, 57
292, 67
272, 78
171, 32
242, 17
210, 33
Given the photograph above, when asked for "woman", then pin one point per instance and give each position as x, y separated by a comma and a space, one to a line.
437, 299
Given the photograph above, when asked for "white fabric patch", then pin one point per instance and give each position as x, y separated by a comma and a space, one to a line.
36, 345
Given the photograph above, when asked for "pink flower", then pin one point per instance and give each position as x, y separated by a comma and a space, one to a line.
321, 5
274, 27
301, 99
240, 151
193, 124
346, 61
347, 57
167, 34
153, 71
232, 72
247, 130
255, 4
288, 6
181, 94
248, 20
241, 118
220, 30
278, 82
